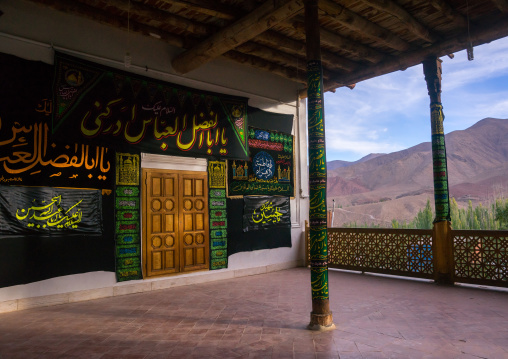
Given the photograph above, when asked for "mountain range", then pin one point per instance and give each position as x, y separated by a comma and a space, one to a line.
382, 187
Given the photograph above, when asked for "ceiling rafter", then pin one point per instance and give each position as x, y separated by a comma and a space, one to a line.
206, 7
502, 5
334, 40
262, 51
357, 23
262, 64
406, 19
162, 17
243, 30
331, 39
449, 12
257, 58
297, 48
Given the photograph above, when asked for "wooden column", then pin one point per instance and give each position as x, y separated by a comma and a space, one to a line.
442, 239
321, 316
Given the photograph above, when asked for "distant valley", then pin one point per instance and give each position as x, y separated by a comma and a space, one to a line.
382, 187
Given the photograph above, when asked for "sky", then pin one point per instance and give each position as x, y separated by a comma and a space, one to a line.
391, 112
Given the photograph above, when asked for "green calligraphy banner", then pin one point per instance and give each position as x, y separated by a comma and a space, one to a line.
270, 168
49, 211
134, 113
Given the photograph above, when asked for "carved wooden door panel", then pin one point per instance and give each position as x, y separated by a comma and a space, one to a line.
161, 223
194, 220
175, 222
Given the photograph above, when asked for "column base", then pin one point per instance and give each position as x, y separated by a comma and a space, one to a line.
321, 322
443, 279
442, 250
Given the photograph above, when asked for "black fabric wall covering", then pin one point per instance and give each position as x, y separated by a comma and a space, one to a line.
240, 241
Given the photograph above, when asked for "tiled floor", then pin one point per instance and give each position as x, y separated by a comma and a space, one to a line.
265, 316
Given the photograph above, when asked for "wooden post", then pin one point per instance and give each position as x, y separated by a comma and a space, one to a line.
442, 239
321, 316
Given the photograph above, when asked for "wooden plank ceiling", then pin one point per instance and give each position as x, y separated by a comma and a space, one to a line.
360, 39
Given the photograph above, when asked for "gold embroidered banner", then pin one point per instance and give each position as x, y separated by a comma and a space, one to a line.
49, 211
134, 113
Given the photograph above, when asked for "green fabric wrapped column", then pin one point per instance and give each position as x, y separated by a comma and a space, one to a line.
432, 70
442, 241
441, 196
321, 316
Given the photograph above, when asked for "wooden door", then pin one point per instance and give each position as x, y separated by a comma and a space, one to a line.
194, 232
175, 222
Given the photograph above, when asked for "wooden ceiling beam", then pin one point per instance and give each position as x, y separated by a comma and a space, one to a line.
297, 48
162, 17
364, 52
449, 12
502, 5
264, 65
261, 19
406, 19
357, 23
91, 13
206, 7
334, 40
478, 37
274, 39
268, 57
270, 54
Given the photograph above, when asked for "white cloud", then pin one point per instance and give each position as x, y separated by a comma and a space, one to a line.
490, 61
361, 121
359, 140
391, 112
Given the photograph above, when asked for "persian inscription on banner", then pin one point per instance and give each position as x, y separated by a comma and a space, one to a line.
28, 157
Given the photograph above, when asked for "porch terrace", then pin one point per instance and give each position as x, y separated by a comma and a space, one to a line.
265, 316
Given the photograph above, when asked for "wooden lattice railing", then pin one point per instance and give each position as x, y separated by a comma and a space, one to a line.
481, 257
405, 252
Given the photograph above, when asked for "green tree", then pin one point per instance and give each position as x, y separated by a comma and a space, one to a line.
454, 214
491, 217
424, 218
502, 213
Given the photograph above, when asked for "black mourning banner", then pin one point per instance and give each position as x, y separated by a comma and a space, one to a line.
100, 105
240, 241
29, 156
265, 212
49, 211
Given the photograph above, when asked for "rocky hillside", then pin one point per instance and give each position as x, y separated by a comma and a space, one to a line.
387, 185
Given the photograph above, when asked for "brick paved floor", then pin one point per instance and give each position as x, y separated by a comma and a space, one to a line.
265, 316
